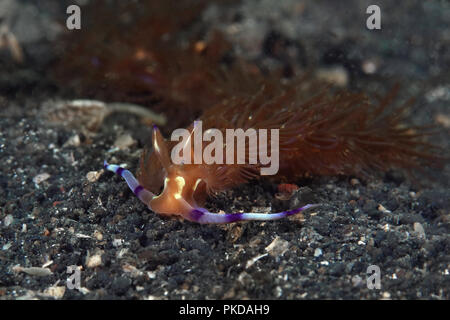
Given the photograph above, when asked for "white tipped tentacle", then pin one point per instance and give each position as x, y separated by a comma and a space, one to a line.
143, 194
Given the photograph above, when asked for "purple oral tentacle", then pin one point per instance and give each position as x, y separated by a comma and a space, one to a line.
201, 215
143, 194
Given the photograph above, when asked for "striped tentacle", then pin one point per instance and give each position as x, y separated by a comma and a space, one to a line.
143, 194
202, 216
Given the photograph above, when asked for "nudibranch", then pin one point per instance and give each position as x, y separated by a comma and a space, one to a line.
180, 185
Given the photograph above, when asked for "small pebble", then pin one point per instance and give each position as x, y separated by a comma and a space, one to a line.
98, 235
55, 292
117, 242
439, 93
132, 270
278, 291
317, 252
420, 231
369, 66
335, 75
94, 261
8, 220
443, 120
357, 281
6, 246
73, 141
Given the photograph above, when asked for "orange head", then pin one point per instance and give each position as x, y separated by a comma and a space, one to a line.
180, 183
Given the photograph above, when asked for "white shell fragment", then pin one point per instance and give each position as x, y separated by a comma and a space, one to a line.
93, 176
34, 271
383, 209
56, 292
8, 220
89, 114
73, 141
278, 247
95, 260
41, 177
419, 230
317, 252
338, 76
124, 141
253, 260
